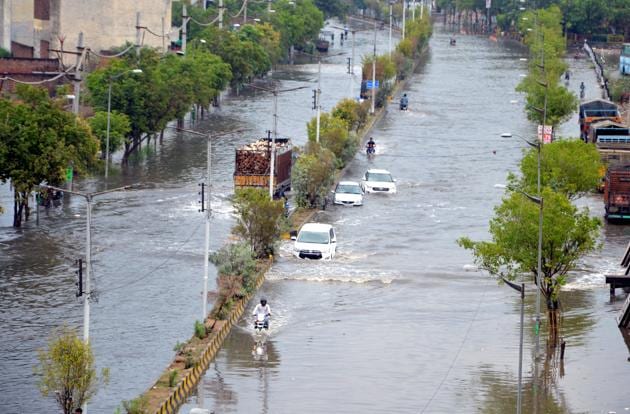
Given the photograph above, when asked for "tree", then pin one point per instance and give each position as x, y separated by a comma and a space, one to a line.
118, 130
298, 23
333, 135
67, 370
568, 235
258, 219
41, 141
569, 167
312, 175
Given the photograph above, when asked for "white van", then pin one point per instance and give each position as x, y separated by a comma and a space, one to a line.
315, 241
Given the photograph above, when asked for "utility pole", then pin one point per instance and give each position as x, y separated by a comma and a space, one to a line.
413, 10
138, 34
391, 6
185, 19
88, 255
272, 166
372, 108
319, 92
77, 75
245, 12
220, 14
404, 10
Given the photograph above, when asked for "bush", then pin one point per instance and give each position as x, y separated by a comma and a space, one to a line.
138, 405
189, 361
312, 175
200, 330
348, 111
333, 135
178, 347
258, 219
235, 260
172, 378
4, 53
618, 87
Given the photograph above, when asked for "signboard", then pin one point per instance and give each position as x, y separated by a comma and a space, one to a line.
368, 84
545, 134
488, 4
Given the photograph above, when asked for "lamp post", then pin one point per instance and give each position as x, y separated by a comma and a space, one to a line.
539, 201
519, 395
109, 110
88, 255
372, 108
391, 7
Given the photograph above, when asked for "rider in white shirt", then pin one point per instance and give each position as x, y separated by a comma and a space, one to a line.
264, 310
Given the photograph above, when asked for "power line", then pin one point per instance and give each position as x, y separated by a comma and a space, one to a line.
159, 266
459, 350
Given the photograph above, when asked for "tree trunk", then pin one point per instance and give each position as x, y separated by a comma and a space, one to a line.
18, 208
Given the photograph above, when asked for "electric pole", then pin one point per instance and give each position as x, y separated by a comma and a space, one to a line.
220, 14
372, 109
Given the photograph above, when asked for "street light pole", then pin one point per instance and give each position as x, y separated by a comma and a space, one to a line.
391, 6
372, 108
88, 255
272, 166
404, 11
319, 92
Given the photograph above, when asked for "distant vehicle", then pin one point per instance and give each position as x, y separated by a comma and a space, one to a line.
315, 241
624, 59
378, 181
594, 111
253, 163
348, 193
617, 192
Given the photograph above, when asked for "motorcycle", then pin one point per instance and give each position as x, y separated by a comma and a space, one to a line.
261, 322
403, 106
370, 151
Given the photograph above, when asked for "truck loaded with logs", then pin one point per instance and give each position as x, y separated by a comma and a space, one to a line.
253, 165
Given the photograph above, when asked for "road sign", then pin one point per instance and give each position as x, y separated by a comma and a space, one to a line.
368, 84
545, 134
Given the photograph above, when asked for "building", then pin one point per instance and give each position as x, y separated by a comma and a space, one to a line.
43, 28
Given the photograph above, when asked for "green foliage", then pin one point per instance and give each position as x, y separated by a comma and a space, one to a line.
189, 362
618, 87
547, 100
4, 53
568, 235
172, 378
258, 219
178, 347
353, 113
298, 24
385, 67
138, 405
245, 57
66, 370
235, 260
333, 135
569, 167
200, 330
38, 141
312, 175
333, 8
118, 130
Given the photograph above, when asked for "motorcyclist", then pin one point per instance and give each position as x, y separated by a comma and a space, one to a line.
264, 310
371, 146
404, 101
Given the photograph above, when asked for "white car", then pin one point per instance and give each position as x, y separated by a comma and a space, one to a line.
378, 181
348, 193
315, 241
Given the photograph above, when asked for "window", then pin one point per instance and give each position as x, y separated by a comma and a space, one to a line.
42, 9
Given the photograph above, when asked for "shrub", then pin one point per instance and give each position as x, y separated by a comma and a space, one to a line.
236, 259
312, 175
4, 53
138, 405
172, 378
189, 361
258, 219
200, 330
178, 347
347, 110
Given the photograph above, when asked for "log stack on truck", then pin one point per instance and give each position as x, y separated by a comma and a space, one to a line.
617, 192
253, 165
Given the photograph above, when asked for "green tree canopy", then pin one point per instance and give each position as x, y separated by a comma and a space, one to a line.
333, 135
258, 219
312, 175
570, 167
118, 130
568, 235
40, 141
66, 370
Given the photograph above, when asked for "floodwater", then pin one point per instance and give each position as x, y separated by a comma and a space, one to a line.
396, 323
400, 321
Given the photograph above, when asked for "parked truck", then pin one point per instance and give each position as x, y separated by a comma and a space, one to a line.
597, 110
253, 165
617, 192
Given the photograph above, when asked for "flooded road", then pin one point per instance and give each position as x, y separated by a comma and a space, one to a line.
399, 321
147, 243
394, 324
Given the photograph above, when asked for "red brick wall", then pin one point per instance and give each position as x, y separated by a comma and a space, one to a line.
22, 69
42, 9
